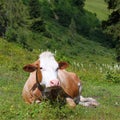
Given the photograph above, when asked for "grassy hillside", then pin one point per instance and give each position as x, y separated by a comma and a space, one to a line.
70, 45
99, 7
75, 43
96, 78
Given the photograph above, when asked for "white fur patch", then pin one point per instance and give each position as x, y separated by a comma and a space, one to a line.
47, 60
49, 66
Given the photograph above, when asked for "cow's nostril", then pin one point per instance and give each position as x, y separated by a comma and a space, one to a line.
54, 83
51, 82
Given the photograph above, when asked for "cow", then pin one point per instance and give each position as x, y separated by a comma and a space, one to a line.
49, 79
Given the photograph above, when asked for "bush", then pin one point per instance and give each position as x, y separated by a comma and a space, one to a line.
11, 34
34, 8
64, 11
85, 22
38, 26
64, 18
19, 35
113, 77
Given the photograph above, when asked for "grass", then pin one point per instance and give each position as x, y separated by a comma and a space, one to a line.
95, 84
99, 8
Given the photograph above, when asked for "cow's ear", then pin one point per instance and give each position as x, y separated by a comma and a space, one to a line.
29, 68
63, 65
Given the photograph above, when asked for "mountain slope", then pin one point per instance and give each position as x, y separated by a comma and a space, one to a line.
82, 51
99, 7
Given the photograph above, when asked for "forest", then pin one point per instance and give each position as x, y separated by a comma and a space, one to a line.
84, 33
25, 21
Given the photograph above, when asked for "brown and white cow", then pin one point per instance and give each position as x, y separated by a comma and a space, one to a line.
48, 79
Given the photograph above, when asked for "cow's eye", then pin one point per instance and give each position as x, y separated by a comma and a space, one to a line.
41, 68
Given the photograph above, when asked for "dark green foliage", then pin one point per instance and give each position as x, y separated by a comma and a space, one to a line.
78, 3
50, 23
113, 77
112, 4
12, 20
34, 8
40, 11
66, 10
35, 12
61, 9
38, 26
19, 35
11, 34
64, 18
26, 2
112, 25
16, 13
114, 18
47, 34
86, 22
3, 19
46, 10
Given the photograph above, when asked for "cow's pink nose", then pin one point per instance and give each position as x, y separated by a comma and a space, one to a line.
54, 83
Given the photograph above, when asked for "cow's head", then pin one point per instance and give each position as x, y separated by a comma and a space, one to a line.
47, 68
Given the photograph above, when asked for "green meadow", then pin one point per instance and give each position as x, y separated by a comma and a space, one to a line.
100, 80
82, 45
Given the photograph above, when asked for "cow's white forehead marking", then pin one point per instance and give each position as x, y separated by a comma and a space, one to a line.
49, 66
46, 54
47, 60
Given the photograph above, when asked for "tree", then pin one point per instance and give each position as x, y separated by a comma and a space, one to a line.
34, 8
37, 23
15, 12
114, 17
113, 4
112, 25
78, 3
3, 19
13, 19
12, 14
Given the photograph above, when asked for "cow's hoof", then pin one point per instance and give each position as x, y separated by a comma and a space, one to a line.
70, 102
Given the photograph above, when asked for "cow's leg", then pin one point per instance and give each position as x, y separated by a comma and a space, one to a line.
88, 101
70, 102
77, 99
85, 101
36, 96
27, 96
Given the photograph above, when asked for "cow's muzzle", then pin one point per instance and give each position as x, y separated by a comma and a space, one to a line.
54, 83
